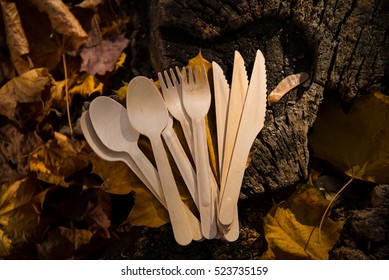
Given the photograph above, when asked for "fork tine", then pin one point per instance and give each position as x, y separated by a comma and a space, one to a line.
167, 78
173, 77
197, 74
204, 72
179, 74
161, 82
190, 76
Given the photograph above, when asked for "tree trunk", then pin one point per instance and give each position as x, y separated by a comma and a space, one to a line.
343, 45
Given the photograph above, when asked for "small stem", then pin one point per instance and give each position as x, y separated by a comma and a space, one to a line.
67, 93
329, 205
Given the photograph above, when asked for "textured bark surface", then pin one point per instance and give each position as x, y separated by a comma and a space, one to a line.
366, 231
341, 44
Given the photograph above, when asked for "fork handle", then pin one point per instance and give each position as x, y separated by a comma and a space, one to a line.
186, 128
205, 193
182, 161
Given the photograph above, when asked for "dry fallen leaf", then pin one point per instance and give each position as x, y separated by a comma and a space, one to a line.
102, 57
17, 216
85, 85
16, 38
63, 22
89, 4
15, 146
63, 243
119, 179
58, 159
26, 88
355, 142
291, 227
286, 85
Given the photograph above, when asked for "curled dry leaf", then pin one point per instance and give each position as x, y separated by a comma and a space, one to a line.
286, 85
16, 38
89, 4
26, 88
63, 21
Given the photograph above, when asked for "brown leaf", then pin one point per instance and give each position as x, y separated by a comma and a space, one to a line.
63, 243
15, 146
119, 179
355, 142
58, 160
45, 47
63, 21
16, 38
89, 4
17, 216
102, 58
26, 88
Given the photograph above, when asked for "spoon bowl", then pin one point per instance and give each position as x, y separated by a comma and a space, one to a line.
109, 120
147, 111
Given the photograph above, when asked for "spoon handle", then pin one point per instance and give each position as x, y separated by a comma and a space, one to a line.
182, 161
178, 218
149, 176
205, 193
149, 172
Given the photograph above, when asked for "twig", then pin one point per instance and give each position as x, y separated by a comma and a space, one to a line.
329, 205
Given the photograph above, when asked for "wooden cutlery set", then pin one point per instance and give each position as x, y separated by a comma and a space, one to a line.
113, 131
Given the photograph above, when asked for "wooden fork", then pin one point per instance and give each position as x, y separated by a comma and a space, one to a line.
172, 94
196, 97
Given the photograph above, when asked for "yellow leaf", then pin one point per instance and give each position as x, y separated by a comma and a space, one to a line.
291, 227
86, 84
17, 216
355, 142
119, 179
120, 61
122, 92
5, 244
58, 159
198, 60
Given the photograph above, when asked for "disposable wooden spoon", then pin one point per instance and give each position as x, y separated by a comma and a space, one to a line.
148, 114
110, 121
107, 154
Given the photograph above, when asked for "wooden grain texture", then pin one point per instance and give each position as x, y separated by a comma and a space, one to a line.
342, 45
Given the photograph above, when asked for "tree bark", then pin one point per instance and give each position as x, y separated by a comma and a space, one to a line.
341, 44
